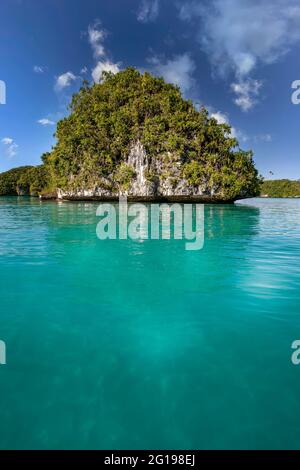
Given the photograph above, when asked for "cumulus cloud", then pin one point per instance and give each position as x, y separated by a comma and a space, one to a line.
220, 117
223, 118
7, 141
64, 81
148, 11
178, 70
263, 138
46, 122
96, 36
241, 136
11, 148
39, 69
238, 35
103, 66
246, 92
84, 70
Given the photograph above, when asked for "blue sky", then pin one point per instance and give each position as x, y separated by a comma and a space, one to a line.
236, 57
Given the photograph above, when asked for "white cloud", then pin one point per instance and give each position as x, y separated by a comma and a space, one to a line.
39, 69
148, 11
96, 37
246, 92
263, 138
221, 118
187, 11
11, 147
46, 122
64, 80
84, 70
240, 135
7, 141
238, 35
243, 137
104, 66
178, 70
267, 138
12, 150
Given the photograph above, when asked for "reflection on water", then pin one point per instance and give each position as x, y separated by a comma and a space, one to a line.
99, 333
275, 268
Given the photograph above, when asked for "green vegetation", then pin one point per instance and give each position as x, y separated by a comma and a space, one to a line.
124, 175
25, 180
107, 118
281, 188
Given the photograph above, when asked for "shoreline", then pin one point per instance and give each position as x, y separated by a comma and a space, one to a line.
137, 199
158, 199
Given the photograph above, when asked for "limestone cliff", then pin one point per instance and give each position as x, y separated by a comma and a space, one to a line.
133, 134
159, 178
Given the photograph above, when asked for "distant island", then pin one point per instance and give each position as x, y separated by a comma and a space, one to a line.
133, 134
281, 188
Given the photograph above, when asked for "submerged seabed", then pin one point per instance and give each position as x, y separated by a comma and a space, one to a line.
142, 344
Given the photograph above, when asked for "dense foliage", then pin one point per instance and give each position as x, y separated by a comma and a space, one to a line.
107, 118
25, 180
280, 188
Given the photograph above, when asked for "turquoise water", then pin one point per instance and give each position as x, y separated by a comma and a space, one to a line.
142, 344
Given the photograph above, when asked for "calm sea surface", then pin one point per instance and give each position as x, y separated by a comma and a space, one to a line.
142, 344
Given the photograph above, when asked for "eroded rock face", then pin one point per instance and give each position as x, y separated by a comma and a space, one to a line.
158, 177
152, 178
139, 161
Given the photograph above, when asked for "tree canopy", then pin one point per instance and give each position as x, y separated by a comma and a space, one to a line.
281, 188
106, 119
24, 180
